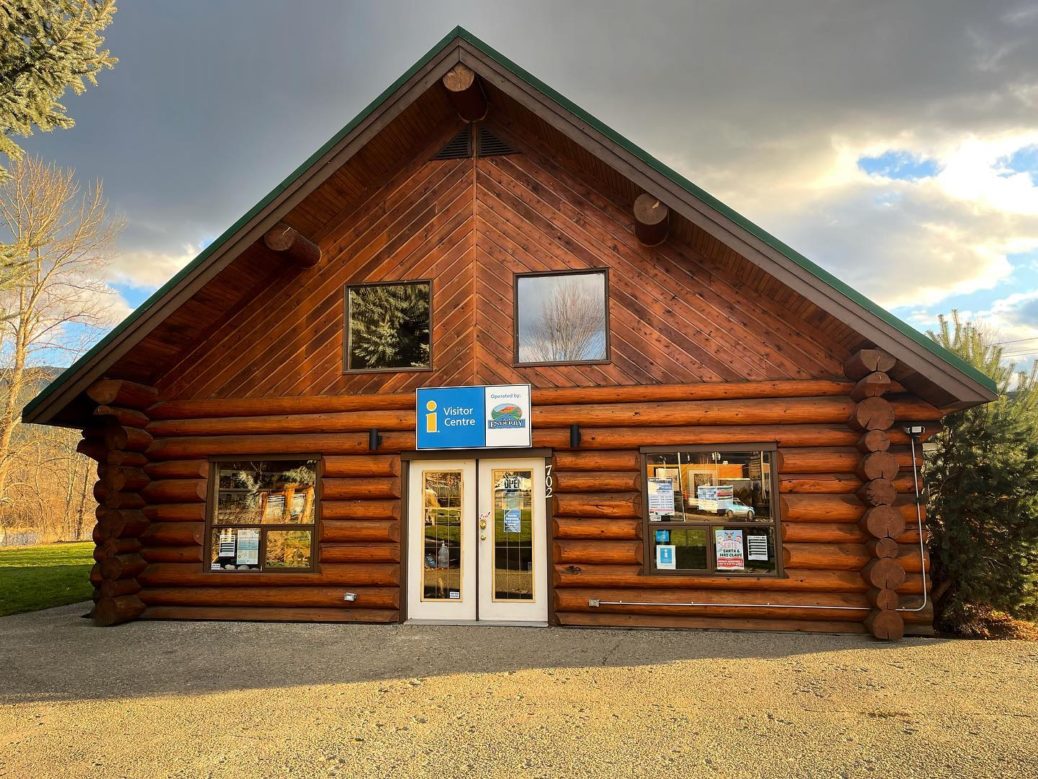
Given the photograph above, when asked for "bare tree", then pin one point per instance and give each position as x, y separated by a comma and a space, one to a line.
570, 321
61, 235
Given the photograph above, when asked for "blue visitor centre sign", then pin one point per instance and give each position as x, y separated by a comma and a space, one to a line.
473, 417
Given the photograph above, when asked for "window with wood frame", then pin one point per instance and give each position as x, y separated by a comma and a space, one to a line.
388, 326
262, 515
561, 318
711, 510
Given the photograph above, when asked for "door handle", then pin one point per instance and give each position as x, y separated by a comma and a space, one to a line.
482, 524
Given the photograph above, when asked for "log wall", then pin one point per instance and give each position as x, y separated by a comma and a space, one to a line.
596, 524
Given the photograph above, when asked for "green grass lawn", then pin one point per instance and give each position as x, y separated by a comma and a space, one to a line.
39, 577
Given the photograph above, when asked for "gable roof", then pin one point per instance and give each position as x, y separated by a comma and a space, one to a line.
932, 367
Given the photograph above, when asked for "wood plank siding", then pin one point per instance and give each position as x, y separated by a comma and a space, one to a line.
469, 225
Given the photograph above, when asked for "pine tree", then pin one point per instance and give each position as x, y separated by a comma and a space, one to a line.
46, 47
982, 478
389, 326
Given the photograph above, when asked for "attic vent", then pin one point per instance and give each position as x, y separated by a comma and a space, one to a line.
458, 147
492, 146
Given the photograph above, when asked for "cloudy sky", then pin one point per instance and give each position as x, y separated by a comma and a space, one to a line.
895, 143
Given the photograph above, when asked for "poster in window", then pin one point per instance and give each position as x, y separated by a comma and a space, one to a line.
661, 498
248, 547
728, 546
275, 508
757, 547
662, 536
665, 560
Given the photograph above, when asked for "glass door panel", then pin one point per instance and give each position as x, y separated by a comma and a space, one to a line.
513, 534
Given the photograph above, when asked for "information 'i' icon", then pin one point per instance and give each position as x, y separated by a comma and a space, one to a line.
430, 419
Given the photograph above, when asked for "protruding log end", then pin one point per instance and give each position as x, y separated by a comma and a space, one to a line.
884, 573
866, 361
293, 245
878, 465
874, 441
878, 492
466, 93
886, 625
871, 386
651, 220
883, 522
115, 611
872, 414
118, 392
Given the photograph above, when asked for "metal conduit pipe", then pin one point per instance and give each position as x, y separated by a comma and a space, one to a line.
595, 602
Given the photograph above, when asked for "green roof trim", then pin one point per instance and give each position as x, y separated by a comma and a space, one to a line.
550, 93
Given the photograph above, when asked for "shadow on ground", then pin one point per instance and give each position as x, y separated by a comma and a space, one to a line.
56, 655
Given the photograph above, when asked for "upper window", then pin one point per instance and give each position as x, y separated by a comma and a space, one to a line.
561, 318
711, 511
263, 516
387, 326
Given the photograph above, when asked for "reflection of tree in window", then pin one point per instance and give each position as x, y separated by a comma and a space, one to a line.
389, 326
568, 325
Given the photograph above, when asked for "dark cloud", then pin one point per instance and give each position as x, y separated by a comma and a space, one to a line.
213, 103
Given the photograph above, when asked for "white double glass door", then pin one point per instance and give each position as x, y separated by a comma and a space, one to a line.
476, 541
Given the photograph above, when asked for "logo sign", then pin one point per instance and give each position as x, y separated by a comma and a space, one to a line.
473, 417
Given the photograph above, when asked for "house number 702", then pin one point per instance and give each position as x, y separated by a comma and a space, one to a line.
547, 480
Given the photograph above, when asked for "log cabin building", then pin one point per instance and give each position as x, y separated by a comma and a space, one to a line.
480, 358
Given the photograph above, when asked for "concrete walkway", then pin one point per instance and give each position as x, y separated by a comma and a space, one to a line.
210, 699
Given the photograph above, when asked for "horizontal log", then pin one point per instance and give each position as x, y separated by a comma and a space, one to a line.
318, 404
116, 546
115, 611
114, 523
597, 528
827, 557
386, 530
174, 534
822, 532
300, 596
246, 614
596, 481
116, 588
909, 408
872, 414
866, 361
190, 575
122, 416
624, 460
465, 91
360, 509
360, 488
172, 554
655, 621
885, 625
132, 439
116, 478
175, 512
818, 460
118, 392
598, 552
387, 552
122, 566
175, 491
362, 466
872, 385
844, 605
632, 576
819, 483
335, 422
295, 247
822, 508
591, 438
117, 499
614, 505
178, 469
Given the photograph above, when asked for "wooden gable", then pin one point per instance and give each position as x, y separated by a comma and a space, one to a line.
677, 314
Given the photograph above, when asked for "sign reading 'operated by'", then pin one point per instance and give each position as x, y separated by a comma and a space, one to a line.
473, 417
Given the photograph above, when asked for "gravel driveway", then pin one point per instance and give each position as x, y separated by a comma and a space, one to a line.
211, 699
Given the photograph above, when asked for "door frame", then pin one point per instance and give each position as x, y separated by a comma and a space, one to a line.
475, 454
